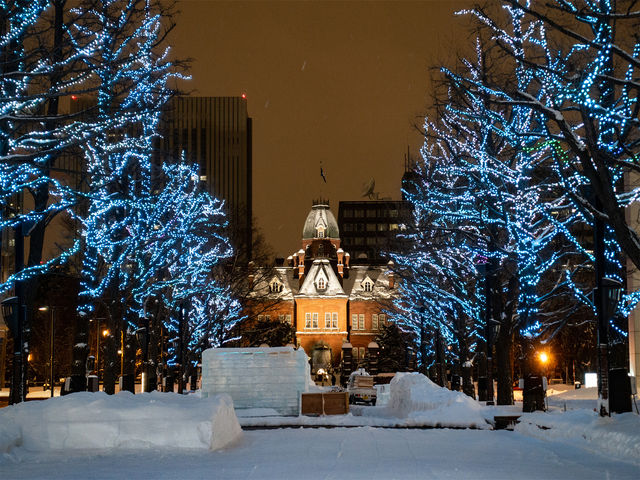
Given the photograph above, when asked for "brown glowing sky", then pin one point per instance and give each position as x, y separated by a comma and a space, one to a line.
340, 83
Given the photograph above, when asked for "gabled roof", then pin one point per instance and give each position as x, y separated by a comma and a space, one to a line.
377, 274
282, 275
321, 268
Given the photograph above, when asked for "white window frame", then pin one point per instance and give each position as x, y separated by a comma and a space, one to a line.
288, 318
362, 353
260, 318
321, 284
334, 321
307, 320
382, 320
327, 320
281, 317
374, 321
275, 286
354, 354
361, 321
354, 321
314, 322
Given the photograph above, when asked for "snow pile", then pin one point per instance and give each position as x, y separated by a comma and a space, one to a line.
257, 377
98, 421
416, 397
618, 435
566, 396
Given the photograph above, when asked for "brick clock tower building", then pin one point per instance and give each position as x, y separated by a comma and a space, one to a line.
332, 305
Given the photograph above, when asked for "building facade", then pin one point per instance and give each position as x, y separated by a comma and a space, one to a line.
216, 132
332, 304
369, 227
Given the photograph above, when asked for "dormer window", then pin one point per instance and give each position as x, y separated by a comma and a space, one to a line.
367, 285
321, 284
320, 231
275, 286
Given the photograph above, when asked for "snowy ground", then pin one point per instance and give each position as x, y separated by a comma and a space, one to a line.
353, 453
569, 441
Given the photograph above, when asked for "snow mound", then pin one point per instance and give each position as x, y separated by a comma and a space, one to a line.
416, 397
617, 436
98, 421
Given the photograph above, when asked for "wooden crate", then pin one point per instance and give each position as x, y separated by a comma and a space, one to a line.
328, 403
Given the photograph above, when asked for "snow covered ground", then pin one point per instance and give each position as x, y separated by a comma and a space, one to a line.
570, 441
353, 453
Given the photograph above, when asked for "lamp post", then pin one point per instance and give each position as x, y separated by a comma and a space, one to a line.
105, 334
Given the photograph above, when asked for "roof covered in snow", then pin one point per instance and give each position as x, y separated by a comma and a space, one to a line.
321, 281
376, 276
320, 216
278, 284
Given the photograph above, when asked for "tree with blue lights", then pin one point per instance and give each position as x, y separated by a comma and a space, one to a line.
583, 61
37, 72
484, 179
181, 240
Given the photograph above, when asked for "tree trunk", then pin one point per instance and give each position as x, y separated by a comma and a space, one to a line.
111, 363
79, 355
504, 345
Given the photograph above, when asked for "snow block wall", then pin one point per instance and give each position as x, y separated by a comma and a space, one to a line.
87, 420
257, 377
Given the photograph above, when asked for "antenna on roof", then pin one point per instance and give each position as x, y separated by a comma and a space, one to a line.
367, 189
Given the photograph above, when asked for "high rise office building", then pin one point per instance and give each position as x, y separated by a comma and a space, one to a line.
216, 133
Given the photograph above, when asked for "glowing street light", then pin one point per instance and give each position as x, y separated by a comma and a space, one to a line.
544, 358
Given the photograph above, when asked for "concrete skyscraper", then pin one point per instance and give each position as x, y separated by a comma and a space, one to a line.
216, 133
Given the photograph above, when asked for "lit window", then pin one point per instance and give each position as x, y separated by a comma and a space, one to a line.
361, 322
327, 320
320, 232
315, 320
307, 320
361, 353
334, 323
354, 322
374, 321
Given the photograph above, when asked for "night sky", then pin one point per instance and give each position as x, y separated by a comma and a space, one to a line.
337, 83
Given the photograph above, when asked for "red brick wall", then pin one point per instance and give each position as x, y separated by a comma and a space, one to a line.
334, 338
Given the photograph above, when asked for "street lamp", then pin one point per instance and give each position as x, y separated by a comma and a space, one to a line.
544, 358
